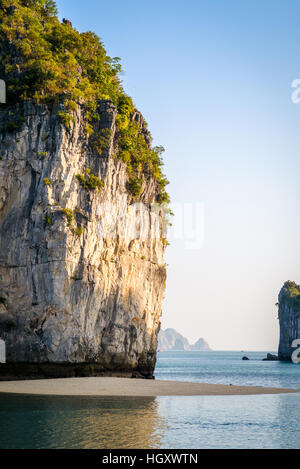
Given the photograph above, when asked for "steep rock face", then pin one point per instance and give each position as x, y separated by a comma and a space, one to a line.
82, 272
289, 319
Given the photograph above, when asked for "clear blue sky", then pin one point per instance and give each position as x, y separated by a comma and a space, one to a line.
213, 79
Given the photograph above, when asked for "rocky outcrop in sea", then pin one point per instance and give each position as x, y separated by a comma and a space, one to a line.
289, 319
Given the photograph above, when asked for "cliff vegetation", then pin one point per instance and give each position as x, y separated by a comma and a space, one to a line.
45, 60
291, 295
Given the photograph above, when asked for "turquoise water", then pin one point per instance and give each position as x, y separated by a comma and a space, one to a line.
269, 421
227, 368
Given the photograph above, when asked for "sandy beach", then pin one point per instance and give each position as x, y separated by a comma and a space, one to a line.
129, 387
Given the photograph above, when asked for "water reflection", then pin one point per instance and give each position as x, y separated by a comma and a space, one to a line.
79, 422
232, 422
263, 421
286, 433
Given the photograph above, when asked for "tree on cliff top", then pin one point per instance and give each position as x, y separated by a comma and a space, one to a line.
44, 59
290, 294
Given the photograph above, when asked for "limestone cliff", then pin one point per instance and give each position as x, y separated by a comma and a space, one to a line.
82, 273
289, 319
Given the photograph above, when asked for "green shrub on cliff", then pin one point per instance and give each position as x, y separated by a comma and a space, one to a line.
69, 215
48, 219
292, 289
141, 159
135, 186
292, 295
101, 140
78, 231
44, 60
47, 181
90, 182
66, 118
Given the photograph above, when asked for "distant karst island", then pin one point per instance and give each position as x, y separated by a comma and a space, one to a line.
170, 339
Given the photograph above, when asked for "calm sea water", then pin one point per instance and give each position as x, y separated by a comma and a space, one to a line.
270, 421
227, 368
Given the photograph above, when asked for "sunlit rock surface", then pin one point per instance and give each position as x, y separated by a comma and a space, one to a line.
87, 290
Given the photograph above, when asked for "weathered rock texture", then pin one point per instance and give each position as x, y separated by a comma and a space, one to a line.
289, 319
88, 297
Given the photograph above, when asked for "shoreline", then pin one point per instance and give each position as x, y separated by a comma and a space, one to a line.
125, 387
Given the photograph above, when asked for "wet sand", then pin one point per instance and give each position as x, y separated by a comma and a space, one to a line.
129, 387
